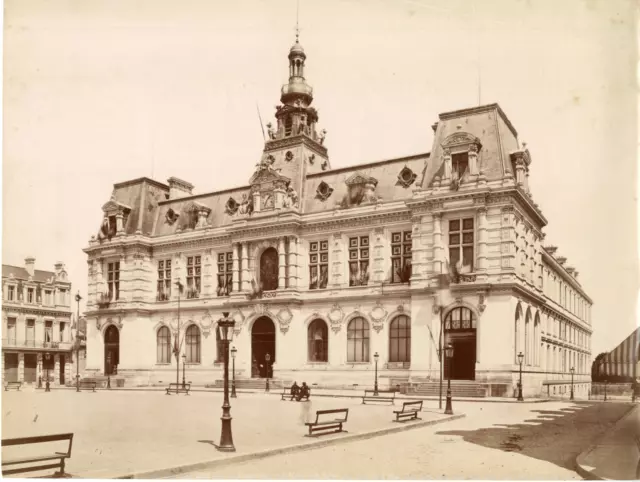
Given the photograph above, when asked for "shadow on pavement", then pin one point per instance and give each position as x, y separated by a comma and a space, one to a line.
555, 436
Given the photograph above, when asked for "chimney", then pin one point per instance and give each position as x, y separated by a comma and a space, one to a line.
59, 266
29, 264
179, 188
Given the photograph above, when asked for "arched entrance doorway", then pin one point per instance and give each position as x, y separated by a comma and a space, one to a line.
263, 347
460, 331
111, 350
269, 269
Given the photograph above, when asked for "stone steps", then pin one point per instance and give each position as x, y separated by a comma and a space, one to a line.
458, 389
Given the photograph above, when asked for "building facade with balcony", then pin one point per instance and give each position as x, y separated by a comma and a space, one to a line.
36, 322
323, 268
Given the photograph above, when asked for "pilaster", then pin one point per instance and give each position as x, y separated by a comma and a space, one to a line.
234, 269
337, 260
244, 266
282, 264
293, 262
482, 240
438, 247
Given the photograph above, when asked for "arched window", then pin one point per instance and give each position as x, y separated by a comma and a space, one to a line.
358, 340
163, 345
192, 339
516, 344
400, 340
460, 318
317, 335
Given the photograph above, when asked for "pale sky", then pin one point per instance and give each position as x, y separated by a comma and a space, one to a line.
98, 92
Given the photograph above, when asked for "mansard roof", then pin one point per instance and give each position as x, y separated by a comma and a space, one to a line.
21, 273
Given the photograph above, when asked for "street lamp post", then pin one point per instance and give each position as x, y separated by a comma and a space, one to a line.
375, 384
78, 298
225, 327
184, 365
47, 357
573, 370
267, 359
605, 390
520, 358
449, 352
233, 371
176, 348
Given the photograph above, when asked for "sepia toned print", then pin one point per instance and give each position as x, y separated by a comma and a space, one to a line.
337, 260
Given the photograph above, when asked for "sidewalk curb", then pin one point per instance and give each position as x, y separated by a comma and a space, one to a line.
580, 464
211, 464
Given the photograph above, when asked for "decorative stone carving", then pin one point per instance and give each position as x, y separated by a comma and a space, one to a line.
323, 191
232, 206
291, 200
240, 319
361, 190
284, 317
288, 156
101, 322
271, 131
246, 205
324, 165
312, 159
206, 323
406, 177
481, 304
378, 314
336, 315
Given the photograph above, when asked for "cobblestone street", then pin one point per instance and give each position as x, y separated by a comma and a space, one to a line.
494, 441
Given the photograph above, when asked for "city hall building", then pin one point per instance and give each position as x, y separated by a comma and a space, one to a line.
324, 268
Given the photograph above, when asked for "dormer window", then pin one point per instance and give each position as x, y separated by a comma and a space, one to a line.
459, 164
30, 295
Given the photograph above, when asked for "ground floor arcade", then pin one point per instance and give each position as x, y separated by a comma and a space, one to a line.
334, 344
32, 366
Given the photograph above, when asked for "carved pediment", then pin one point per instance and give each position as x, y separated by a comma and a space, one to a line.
460, 139
113, 207
267, 175
358, 179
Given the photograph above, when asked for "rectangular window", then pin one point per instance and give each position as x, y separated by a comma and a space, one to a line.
194, 276
461, 236
11, 293
63, 329
11, 331
30, 294
318, 264
113, 280
47, 297
459, 165
359, 261
48, 331
164, 280
62, 294
31, 333
401, 257
225, 273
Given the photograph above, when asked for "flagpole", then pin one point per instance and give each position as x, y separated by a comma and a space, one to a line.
177, 348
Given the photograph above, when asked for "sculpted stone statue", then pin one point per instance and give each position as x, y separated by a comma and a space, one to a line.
271, 131
322, 136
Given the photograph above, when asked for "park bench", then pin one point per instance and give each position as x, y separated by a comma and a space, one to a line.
383, 396
178, 388
328, 420
34, 463
409, 411
14, 385
87, 384
286, 392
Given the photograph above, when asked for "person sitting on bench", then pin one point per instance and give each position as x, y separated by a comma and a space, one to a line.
304, 392
295, 389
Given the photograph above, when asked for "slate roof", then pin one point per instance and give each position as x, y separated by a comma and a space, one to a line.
21, 273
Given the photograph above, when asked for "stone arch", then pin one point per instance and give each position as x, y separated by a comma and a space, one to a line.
316, 316
253, 317
347, 319
460, 323
256, 253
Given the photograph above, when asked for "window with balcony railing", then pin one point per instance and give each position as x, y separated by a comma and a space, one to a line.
30, 295
193, 276
164, 280
225, 273
401, 257
318, 264
30, 338
461, 234
359, 261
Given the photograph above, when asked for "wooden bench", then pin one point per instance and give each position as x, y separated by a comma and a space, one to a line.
328, 420
178, 388
286, 392
409, 411
383, 396
34, 462
87, 384
14, 385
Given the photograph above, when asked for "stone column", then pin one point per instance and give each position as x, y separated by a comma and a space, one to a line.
473, 159
256, 200
244, 265
446, 156
282, 278
21, 367
336, 243
234, 269
482, 240
120, 223
56, 369
293, 262
520, 177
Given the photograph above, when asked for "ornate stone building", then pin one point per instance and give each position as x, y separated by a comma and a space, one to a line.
36, 320
322, 268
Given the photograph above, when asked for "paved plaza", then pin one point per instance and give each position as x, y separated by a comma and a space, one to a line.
118, 433
496, 441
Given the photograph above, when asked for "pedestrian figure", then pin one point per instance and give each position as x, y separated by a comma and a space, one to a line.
305, 411
294, 390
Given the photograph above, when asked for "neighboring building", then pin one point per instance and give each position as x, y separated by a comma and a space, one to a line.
36, 320
322, 268
623, 361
